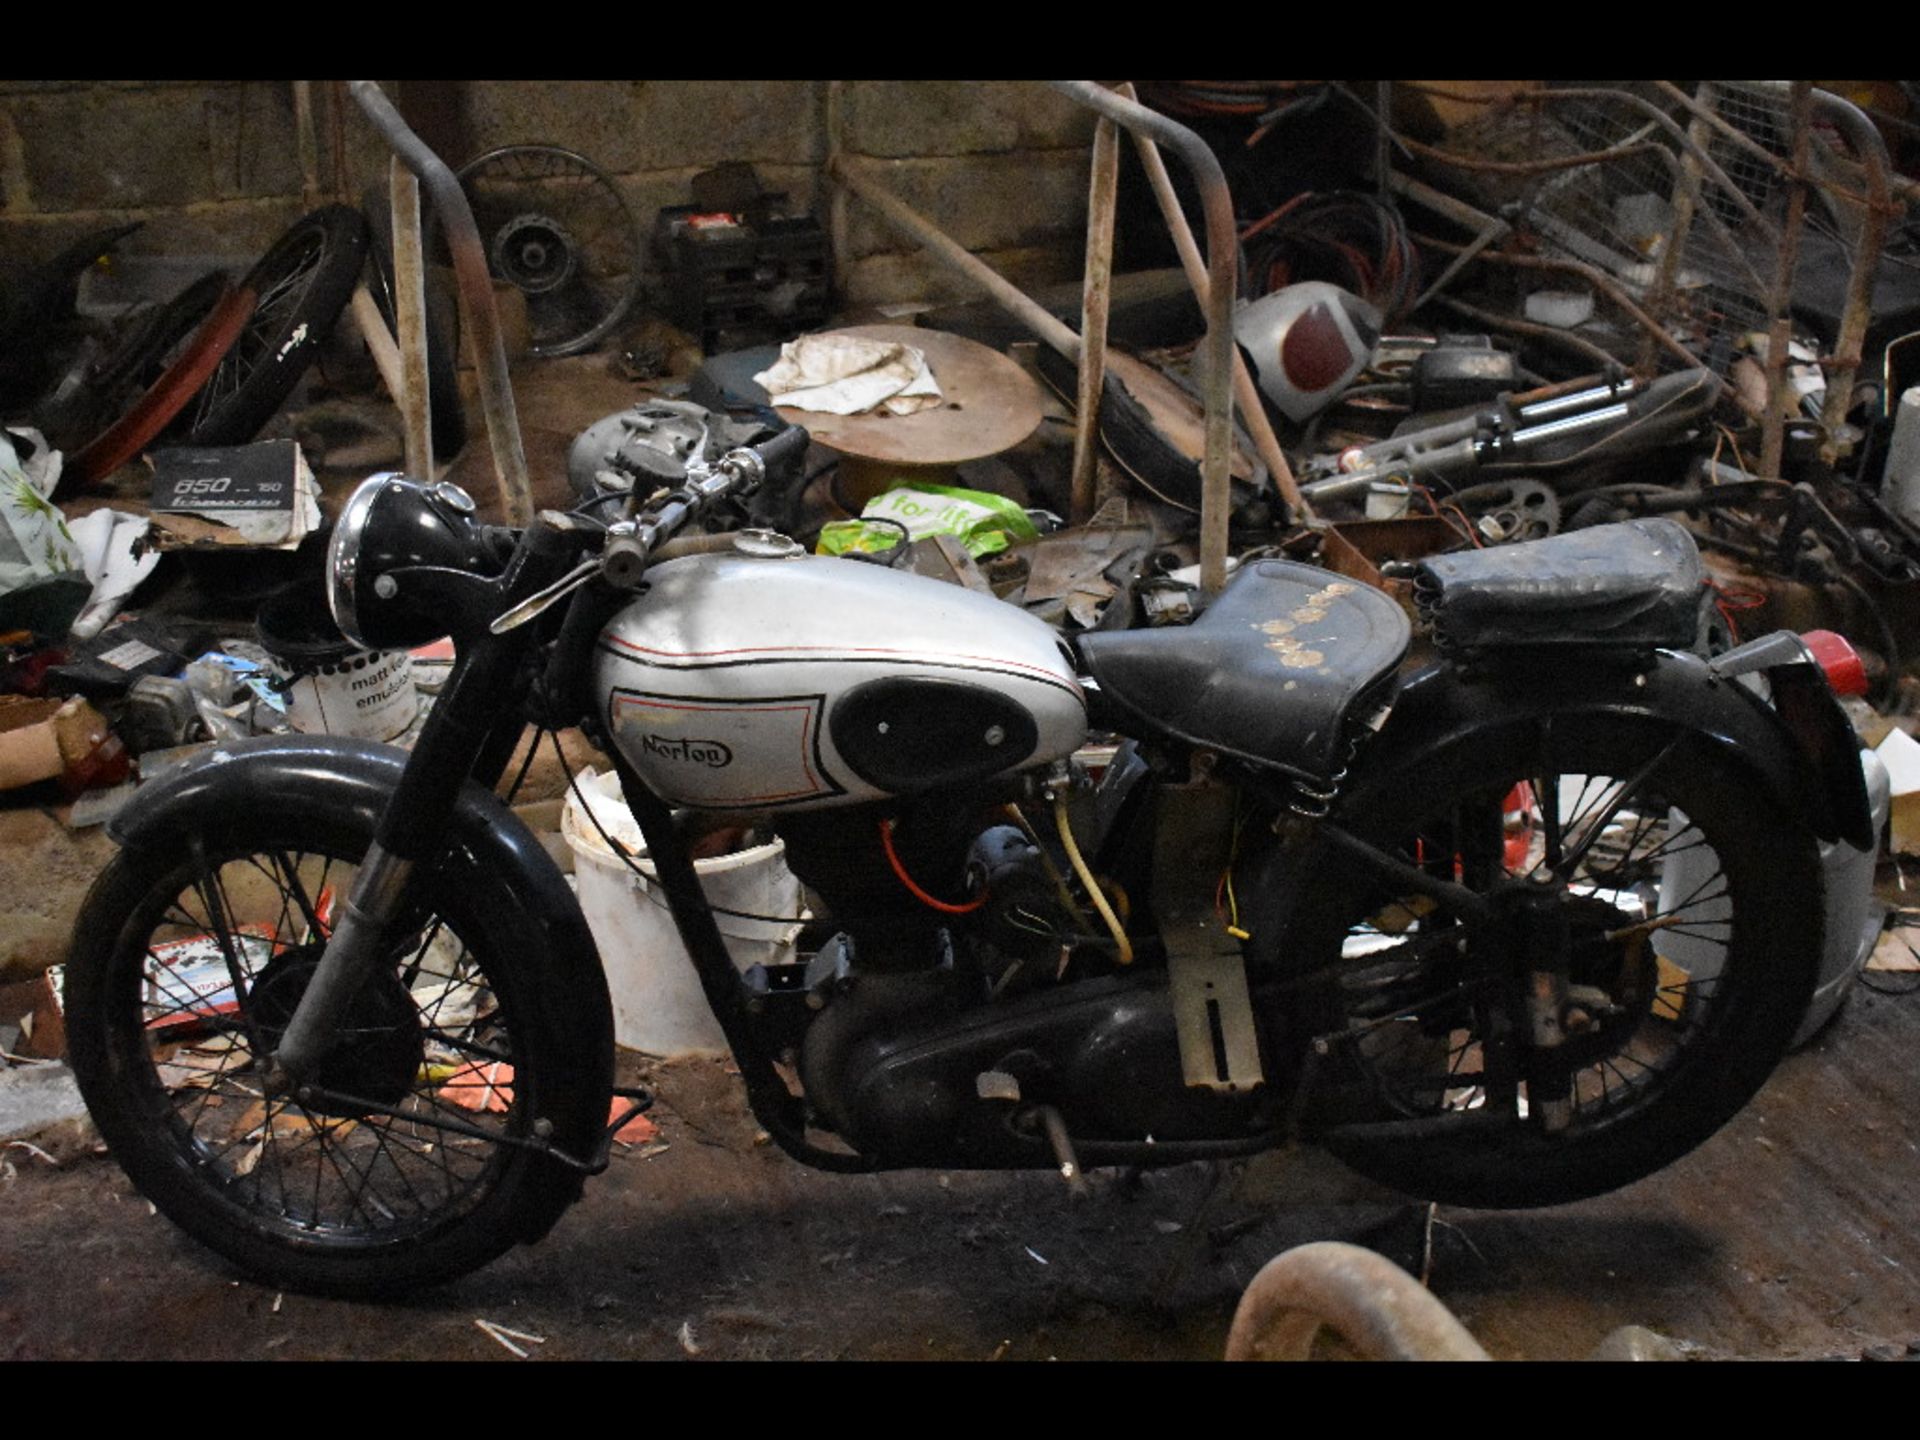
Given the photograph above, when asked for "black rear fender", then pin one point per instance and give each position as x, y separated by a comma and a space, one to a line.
1802, 754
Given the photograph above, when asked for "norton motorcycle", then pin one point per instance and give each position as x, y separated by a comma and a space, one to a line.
1510, 923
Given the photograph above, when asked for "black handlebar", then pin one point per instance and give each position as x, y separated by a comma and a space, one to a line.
790, 444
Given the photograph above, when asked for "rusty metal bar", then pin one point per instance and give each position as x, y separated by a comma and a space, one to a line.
1218, 349
1868, 143
1773, 427
410, 318
1217, 303
1377, 1307
380, 342
1265, 443
1686, 203
1095, 300
1053, 331
307, 136
837, 227
1545, 334
479, 317
1595, 277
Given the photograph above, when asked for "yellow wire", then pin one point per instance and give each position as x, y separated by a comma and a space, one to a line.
1125, 957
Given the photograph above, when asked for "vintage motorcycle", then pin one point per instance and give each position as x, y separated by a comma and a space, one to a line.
1511, 927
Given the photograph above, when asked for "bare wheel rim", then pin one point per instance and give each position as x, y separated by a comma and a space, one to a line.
556, 226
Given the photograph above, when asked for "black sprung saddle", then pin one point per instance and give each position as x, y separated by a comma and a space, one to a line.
1636, 586
1277, 671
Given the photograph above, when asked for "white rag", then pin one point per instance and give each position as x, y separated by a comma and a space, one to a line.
850, 375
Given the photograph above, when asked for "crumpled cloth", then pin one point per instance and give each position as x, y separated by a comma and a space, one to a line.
850, 375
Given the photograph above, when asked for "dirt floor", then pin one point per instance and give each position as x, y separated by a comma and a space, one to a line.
1792, 1234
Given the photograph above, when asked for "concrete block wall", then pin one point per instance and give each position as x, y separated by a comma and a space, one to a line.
213, 166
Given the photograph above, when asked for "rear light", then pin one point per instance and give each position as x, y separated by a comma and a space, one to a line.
1838, 660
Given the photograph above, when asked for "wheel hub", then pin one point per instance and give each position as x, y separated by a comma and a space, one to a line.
380, 1048
534, 252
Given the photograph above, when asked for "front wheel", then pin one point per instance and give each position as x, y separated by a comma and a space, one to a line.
1459, 1060
413, 1161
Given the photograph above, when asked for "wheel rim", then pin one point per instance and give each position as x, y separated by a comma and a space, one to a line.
332, 1171
1427, 1021
555, 226
282, 281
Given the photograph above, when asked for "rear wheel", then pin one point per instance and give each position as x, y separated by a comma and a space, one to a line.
408, 1164
1450, 1061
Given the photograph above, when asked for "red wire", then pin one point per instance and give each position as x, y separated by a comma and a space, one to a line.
886, 843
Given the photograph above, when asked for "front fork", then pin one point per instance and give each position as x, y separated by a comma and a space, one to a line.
459, 738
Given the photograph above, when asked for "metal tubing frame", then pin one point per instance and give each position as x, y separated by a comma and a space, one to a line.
1217, 348
1773, 426
1265, 443
1217, 303
479, 317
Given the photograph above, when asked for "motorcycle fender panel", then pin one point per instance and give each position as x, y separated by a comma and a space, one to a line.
1819, 781
345, 784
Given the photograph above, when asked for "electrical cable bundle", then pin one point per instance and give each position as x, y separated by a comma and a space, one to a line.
1355, 240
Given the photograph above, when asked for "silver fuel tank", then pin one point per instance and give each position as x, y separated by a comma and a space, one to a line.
740, 682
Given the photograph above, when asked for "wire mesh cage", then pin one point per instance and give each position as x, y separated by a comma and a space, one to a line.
1668, 209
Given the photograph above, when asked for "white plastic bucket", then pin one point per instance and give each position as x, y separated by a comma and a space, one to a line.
658, 1005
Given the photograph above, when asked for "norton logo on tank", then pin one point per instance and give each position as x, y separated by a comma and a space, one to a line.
710, 753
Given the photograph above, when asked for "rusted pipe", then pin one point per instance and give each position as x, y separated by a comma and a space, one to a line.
1218, 348
1866, 142
1595, 277
479, 317
380, 342
1096, 296
1051, 330
1265, 443
410, 318
1373, 1304
1780, 329
837, 228
1686, 204
307, 136
1527, 329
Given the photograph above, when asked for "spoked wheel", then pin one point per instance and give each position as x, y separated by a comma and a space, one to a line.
408, 1161
1457, 1059
157, 373
556, 227
301, 285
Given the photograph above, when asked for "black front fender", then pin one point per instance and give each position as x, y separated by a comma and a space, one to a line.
346, 783
1803, 769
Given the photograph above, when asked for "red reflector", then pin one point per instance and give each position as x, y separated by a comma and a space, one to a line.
1840, 661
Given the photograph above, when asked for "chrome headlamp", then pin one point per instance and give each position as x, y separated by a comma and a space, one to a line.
403, 562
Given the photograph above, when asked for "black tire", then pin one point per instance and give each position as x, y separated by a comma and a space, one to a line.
303, 282
443, 378
1675, 1052
326, 1196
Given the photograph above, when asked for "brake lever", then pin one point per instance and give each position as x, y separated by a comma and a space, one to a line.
541, 600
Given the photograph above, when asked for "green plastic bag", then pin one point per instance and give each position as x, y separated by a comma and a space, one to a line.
983, 523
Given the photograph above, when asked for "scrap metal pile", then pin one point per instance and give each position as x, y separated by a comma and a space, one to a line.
1482, 316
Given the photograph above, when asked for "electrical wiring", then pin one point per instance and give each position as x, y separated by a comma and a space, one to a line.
1350, 237
900, 873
